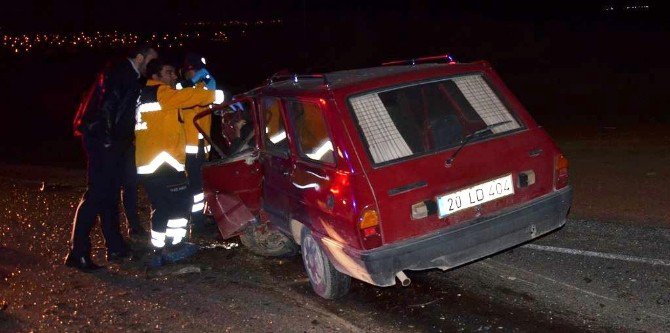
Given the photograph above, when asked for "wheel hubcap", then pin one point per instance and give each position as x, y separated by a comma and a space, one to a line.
313, 261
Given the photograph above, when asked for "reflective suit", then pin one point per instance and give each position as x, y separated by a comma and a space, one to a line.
196, 147
160, 155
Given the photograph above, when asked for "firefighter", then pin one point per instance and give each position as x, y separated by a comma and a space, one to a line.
196, 75
160, 157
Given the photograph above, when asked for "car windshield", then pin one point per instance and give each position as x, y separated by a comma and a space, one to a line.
428, 117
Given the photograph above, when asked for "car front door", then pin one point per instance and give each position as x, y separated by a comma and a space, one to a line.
232, 178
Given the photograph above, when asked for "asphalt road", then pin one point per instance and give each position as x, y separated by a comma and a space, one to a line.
588, 276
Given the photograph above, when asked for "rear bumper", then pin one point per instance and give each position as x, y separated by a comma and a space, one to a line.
453, 246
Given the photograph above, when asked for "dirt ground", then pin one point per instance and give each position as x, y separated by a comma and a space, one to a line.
619, 174
223, 289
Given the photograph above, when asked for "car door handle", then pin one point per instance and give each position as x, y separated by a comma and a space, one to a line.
535, 152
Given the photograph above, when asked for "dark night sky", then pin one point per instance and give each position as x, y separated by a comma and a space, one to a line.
568, 61
82, 15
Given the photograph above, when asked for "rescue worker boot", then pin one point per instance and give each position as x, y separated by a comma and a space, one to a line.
180, 252
155, 259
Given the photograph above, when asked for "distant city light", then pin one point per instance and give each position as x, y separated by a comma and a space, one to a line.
23, 43
627, 7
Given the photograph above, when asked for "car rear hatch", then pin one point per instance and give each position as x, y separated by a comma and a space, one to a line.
447, 151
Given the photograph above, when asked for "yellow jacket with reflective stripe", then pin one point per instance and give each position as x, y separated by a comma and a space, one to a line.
191, 132
159, 133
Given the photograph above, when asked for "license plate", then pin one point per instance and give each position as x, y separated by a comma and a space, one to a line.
475, 195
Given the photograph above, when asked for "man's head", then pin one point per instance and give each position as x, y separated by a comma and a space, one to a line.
192, 63
159, 70
141, 55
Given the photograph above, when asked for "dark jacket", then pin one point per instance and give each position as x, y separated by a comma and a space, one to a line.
107, 112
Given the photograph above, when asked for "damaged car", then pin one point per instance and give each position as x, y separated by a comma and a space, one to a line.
369, 173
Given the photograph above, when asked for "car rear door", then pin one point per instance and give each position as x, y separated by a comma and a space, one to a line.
277, 162
314, 173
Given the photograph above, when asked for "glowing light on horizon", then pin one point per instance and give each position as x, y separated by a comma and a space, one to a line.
20, 43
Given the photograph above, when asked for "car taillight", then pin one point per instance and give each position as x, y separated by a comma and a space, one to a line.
560, 172
368, 224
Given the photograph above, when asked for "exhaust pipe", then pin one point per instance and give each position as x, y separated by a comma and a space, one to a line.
404, 280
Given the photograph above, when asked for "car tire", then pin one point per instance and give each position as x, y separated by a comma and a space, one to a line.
268, 242
326, 281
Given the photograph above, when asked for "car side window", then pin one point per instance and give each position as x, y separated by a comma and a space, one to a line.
274, 134
313, 141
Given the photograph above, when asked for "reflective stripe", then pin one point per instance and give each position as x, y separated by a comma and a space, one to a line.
141, 126
175, 232
200, 136
179, 86
157, 238
177, 223
176, 240
191, 149
198, 207
163, 157
278, 137
149, 107
199, 197
208, 148
204, 62
218, 96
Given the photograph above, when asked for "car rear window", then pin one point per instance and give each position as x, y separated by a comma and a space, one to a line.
427, 117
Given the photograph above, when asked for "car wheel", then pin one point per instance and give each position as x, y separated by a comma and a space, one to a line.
326, 281
268, 242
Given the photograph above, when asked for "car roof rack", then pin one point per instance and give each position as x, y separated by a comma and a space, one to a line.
277, 77
448, 58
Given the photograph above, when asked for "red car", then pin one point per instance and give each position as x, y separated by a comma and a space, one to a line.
371, 172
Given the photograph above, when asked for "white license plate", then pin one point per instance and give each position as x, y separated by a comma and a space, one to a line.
475, 195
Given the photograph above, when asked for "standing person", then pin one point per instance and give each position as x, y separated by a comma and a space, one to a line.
196, 75
160, 157
105, 122
129, 194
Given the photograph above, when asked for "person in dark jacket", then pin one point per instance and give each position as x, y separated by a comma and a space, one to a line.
106, 122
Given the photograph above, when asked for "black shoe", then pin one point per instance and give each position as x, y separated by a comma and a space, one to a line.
83, 263
137, 231
119, 256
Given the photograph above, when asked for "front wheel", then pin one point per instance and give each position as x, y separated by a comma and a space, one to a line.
268, 242
326, 281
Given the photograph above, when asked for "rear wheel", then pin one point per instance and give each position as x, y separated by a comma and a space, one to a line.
326, 281
268, 242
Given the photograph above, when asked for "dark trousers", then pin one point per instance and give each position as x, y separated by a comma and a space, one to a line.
129, 183
194, 164
101, 199
167, 190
